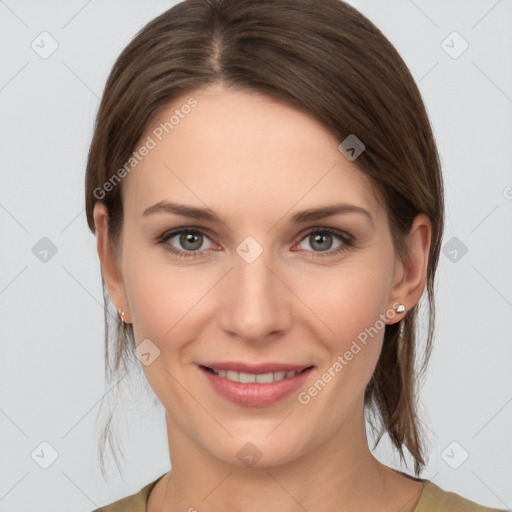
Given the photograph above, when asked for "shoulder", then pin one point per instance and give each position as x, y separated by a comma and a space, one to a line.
133, 503
436, 498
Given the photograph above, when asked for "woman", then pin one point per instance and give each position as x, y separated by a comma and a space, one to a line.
267, 198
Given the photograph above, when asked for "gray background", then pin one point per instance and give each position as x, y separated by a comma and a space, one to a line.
51, 320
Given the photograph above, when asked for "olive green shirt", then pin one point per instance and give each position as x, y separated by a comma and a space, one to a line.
432, 499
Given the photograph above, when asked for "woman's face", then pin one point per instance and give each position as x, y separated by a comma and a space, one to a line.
264, 285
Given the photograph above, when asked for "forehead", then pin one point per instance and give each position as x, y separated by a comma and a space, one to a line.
239, 151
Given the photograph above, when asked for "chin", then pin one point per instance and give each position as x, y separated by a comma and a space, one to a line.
257, 451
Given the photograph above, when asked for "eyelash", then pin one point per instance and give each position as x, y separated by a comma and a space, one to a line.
348, 241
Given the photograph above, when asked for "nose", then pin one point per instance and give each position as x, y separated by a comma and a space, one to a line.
256, 303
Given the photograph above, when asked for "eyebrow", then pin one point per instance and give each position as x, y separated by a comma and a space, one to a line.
206, 214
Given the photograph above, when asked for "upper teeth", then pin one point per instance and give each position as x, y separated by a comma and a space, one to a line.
262, 378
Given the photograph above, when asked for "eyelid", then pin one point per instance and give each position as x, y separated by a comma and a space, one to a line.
348, 240
171, 233
302, 234
338, 232
176, 231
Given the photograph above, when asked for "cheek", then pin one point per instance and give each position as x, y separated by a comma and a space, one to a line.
350, 306
348, 299
348, 303
162, 302
165, 304
160, 292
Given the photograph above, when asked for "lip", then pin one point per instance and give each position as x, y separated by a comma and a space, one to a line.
256, 368
255, 394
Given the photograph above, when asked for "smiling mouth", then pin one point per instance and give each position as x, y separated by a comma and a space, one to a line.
258, 378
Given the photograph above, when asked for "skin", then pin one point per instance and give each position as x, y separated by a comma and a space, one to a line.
255, 162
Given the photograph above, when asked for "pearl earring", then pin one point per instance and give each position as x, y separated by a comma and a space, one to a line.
400, 309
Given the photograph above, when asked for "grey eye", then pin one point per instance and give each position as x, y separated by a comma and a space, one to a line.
188, 240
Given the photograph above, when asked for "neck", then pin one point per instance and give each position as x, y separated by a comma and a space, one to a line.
342, 470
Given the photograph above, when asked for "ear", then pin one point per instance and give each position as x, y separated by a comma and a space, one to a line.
410, 277
109, 266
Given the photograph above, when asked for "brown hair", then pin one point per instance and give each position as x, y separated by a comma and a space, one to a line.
327, 58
